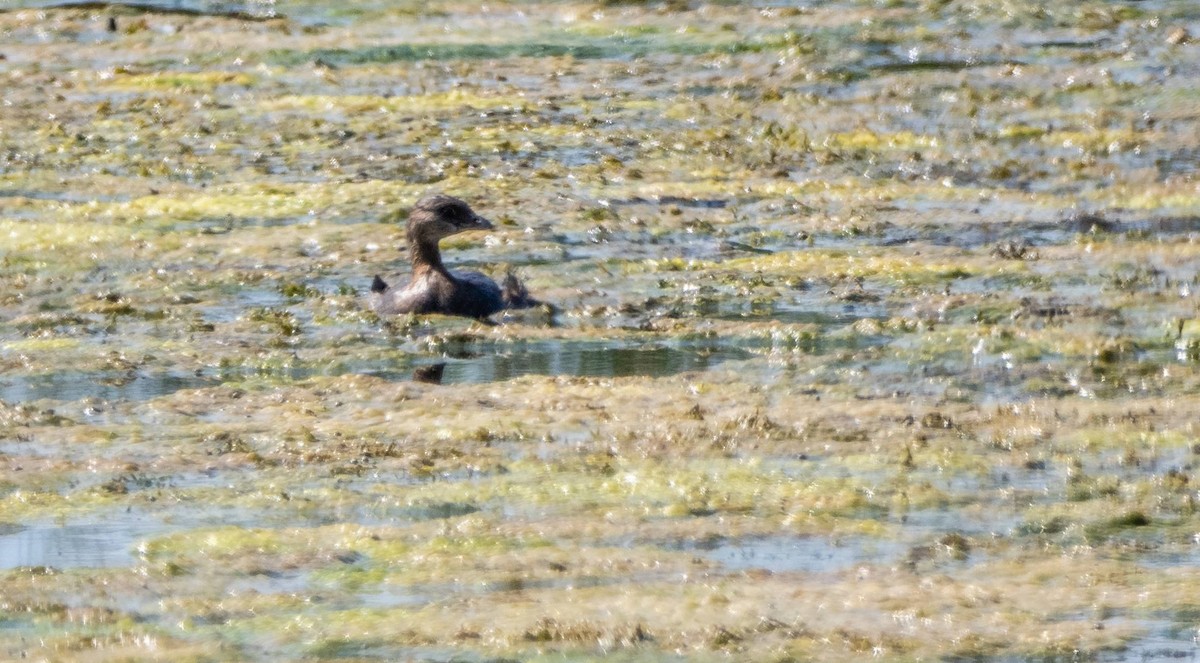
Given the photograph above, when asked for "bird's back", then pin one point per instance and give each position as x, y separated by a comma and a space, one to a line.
469, 294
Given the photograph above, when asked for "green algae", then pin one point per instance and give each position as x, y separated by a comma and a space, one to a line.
205, 81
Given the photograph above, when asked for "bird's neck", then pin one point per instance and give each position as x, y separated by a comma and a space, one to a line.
425, 256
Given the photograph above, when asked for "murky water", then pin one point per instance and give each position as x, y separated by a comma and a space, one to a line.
464, 365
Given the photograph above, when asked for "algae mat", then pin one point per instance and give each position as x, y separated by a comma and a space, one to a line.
875, 335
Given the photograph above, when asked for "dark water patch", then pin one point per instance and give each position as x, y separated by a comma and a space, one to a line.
463, 363
783, 554
72, 196
250, 10
678, 201
1081, 44
436, 511
590, 359
1182, 161
1160, 227
831, 316
568, 582
967, 235
442, 52
872, 66
105, 386
470, 362
940, 64
622, 48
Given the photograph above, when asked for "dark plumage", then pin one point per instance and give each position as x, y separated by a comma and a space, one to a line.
435, 289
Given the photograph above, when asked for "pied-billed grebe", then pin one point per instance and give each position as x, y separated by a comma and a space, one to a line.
435, 289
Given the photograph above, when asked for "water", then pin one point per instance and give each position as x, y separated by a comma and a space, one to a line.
466, 364
808, 554
87, 543
1165, 641
104, 385
240, 8
591, 360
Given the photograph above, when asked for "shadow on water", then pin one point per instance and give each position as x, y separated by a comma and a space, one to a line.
465, 363
591, 359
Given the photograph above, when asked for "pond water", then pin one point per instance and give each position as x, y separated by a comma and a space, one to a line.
87, 543
465, 365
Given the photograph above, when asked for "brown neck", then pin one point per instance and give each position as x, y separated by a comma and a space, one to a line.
424, 255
